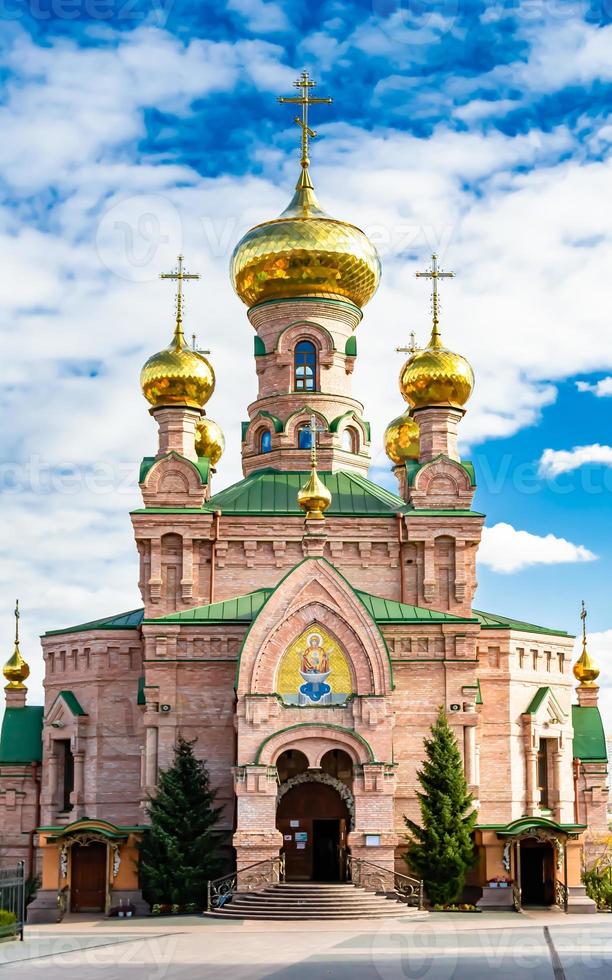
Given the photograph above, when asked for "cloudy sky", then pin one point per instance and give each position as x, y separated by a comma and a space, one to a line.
133, 130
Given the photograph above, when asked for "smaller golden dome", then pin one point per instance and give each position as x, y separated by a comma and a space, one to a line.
177, 375
402, 439
16, 670
210, 440
436, 376
314, 498
586, 670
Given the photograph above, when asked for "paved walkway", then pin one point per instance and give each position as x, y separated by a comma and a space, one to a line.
534, 946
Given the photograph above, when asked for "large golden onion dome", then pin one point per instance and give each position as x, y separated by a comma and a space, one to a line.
436, 376
210, 440
305, 252
177, 375
402, 439
16, 670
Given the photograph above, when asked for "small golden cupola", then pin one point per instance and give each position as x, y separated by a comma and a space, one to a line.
435, 375
209, 440
305, 252
586, 670
402, 440
16, 670
313, 497
178, 375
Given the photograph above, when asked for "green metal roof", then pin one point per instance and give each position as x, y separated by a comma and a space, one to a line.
124, 621
201, 465
489, 621
413, 466
272, 492
589, 736
21, 736
522, 824
242, 609
537, 699
389, 611
72, 703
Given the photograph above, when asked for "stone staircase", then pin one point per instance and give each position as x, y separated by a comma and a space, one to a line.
311, 900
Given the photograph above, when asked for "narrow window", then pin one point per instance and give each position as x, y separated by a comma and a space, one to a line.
265, 441
543, 784
305, 366
304, 437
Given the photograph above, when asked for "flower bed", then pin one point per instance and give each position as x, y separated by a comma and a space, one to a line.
455, 908
8, 925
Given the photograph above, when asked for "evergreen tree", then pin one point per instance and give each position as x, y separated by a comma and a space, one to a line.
180, 851
441, 851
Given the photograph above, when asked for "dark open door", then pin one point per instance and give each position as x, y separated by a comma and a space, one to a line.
88, 877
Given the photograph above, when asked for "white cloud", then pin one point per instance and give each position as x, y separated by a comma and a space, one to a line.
505, 549
260, 16
601, 388
556, 461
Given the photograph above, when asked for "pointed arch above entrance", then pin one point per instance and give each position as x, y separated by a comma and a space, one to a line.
314, 597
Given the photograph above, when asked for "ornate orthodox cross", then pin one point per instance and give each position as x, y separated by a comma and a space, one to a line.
17, 615
583, 616
314, 430
180, 276
412, 346
305, 99
435, 274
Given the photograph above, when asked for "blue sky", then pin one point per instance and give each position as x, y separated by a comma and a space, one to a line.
134, 130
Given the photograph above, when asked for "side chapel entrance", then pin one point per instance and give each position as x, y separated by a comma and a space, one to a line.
88, 879
313, 816
537, 872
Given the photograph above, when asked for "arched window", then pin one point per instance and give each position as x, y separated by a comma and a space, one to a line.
265, 441
305, 366
304, 437
349, 441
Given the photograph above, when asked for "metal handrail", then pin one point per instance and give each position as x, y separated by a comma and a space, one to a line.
221, 890
406, 888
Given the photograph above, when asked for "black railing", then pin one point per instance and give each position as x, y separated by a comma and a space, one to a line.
12, 899
375, 878
249, 879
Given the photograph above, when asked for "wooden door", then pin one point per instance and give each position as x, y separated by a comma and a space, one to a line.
88, 877
299, 810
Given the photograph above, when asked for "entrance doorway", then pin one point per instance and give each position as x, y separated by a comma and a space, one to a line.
314, 821
88, 877
537, 873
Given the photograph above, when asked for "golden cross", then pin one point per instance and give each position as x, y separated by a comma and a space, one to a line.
583, 616
180, 276
435, 274
412, 346
305, 83
314, 429
17, 614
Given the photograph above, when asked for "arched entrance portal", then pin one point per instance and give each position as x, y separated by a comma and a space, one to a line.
537, 872
88, 878
314, 821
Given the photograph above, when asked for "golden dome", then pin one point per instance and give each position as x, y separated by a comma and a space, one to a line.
314, 498
16, 670
436, 376
177, 375
304, 252
586, 670
402, 439
210, 440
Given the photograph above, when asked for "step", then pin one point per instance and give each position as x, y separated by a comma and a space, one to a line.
227, 913
373, 902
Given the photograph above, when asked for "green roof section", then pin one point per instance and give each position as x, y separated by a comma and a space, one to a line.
273, 492
490, 621
21, 736
72, 703
390, 611
124, 621
413, 466
242, 609
202, 465
589, 735
540, 695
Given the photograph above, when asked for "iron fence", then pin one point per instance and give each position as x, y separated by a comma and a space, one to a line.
12, 897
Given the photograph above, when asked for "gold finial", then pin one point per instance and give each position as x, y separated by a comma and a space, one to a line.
16, 670
586, 671
435, 274
305, 99
314, 497
412, 345
180, 276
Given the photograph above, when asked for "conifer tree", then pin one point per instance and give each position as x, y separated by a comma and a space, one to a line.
441, 850
180, 851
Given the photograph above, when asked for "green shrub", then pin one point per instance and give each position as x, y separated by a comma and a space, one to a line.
8, 924
599, 887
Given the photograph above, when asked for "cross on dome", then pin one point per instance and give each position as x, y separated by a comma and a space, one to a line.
435, 274
179, 276
305, 100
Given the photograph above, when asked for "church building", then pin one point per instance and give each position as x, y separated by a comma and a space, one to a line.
304, 626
